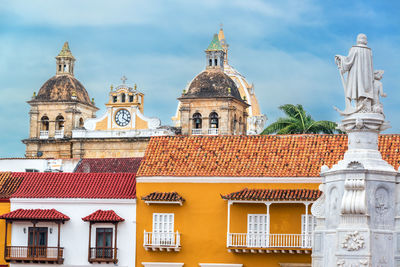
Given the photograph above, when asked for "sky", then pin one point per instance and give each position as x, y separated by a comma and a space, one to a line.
286, 48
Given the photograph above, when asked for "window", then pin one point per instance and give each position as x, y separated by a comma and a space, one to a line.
123, 98
306, 234
213, 120
104, 243
163, 229
59, 67
215, 62
37, 240
131, 98
197, 121
210, 62
114, 99
59, 122
81, 124
257, 230
45, 123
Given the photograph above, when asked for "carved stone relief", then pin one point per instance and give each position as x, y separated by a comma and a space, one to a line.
353, 241
381, 205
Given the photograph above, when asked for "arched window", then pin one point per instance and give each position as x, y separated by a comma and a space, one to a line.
216, 62
240, 126
123, 98
59, 122
197, 121
114, 99
210, 62
234, 124
131, 98
213, 120
81, 123
44, 123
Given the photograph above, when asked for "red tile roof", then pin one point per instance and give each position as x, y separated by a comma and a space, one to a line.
35, 214
109, 165
273, 194
8, 184
163, 196
76, 185
103, 216
256, 156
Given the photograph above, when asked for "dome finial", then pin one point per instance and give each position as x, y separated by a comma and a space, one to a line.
65, 51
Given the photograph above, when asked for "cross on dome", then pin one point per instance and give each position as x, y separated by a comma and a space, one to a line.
123, 79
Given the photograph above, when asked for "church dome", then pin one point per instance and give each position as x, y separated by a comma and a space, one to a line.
63, 88
211, 84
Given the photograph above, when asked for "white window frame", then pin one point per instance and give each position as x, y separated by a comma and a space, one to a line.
163, 229
258, 230
162, 264
220, 265
312, 222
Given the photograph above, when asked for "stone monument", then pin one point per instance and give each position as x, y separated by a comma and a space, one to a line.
358, 213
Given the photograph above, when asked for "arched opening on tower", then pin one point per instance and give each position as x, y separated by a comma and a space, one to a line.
44, 125
214, 120
197, 121
81, 123
60, 122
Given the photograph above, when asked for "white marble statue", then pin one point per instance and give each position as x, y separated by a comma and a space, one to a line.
378, 91
358, 213
359, 84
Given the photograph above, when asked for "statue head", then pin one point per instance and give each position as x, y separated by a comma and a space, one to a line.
362, 39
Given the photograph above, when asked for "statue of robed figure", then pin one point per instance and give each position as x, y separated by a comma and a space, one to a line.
359, 84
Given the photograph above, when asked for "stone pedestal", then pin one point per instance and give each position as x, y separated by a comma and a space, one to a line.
356, 214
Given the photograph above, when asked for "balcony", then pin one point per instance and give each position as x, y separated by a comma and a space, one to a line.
59, 134
197, 131
103, 255
213, 131
44, 135
162, 241
34, 254
292, 243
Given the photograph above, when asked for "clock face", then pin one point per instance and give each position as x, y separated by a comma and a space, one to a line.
122, 117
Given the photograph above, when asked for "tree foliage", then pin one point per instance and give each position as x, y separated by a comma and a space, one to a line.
297, 121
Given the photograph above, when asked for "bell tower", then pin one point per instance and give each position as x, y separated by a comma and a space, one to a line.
215, 54
65, 61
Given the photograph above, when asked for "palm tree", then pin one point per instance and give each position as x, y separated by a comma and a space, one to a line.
299, 122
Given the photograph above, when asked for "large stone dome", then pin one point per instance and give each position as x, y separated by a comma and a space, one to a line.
211, 84
63, 88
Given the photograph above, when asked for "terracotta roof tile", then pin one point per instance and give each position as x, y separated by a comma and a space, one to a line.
163, 196
35, 214
274, 194
8, 184
103, 216
76, 185
108, 165
256, 156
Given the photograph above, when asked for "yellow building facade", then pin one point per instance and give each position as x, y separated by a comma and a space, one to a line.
230, 200
9, 183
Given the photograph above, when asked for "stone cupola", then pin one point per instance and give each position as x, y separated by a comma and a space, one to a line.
65, 61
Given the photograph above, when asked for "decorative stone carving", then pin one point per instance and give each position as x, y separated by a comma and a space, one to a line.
381, 205
318, 207
353, 201
340, 263
353, 241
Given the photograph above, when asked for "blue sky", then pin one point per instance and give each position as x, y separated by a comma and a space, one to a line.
286, 48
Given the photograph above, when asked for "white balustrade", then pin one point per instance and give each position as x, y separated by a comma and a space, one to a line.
162, 240
44, 135
59, 134
269, 240
213, 131
197, 131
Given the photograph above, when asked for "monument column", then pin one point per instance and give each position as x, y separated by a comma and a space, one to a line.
356, 212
